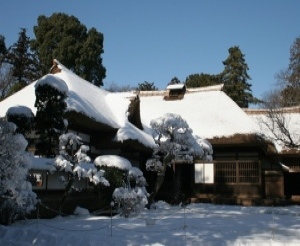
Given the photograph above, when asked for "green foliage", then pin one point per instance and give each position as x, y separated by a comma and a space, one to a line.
50, 104
174, 81
24, 64
291, 91
14, 88
202, 80
6, 80
235, 78
116, 178
147, 86
64, 38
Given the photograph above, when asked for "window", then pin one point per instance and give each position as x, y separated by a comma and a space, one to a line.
36, 179
226, 172
204, 173
237, 172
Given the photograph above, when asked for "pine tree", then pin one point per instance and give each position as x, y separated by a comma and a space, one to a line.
146, 86
291, 92
174, 81
235, 78
175, 142
64, 38
24, 64
6, 80
201, 80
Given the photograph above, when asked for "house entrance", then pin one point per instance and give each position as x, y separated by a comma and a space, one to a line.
292, 184
178, 183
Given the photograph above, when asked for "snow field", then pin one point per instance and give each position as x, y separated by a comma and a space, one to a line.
195, 224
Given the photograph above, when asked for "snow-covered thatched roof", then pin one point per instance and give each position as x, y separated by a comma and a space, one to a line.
209, 113
85, 99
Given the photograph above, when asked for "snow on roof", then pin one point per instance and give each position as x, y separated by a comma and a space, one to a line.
210, 114
129, 131
86, 98
113, 161
175, 86
24, 97
83, 97
54, 82
91, 100
20, 110
42, 164
218, 87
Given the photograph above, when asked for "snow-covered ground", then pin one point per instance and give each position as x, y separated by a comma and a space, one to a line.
195, 224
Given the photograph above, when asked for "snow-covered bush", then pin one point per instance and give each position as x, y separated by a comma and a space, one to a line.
22, 116
16, 196
78, 165
131, 197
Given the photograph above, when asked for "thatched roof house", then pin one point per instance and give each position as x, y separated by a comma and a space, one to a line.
106, 120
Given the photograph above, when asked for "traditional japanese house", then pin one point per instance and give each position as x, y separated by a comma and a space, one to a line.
242, 170
108, 123
246, 167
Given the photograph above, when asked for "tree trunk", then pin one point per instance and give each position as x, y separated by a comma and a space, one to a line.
66, 193
177, 185
160, 179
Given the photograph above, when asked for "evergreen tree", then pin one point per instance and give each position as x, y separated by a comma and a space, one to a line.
50, 104
147, 86
174, 81
64, 38
3, 49
24, 64
235, 78
291, 91
202, 79
6, 80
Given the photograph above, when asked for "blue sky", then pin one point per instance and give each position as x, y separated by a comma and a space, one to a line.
157, 40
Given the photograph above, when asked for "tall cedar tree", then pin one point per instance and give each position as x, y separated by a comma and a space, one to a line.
235, 78
24, 63
202, 79
50, 104
291, 92
63, 37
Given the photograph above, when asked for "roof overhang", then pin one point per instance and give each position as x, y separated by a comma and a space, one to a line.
244, 140
81, 121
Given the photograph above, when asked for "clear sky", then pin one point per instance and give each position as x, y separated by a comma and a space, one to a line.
157, 40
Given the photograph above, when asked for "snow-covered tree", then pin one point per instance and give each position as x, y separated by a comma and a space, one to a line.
22, 116
175, 142
51, 93
78, 165
131, 197
16, 195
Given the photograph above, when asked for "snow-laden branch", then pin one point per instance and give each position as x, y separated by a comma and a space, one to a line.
78, 164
